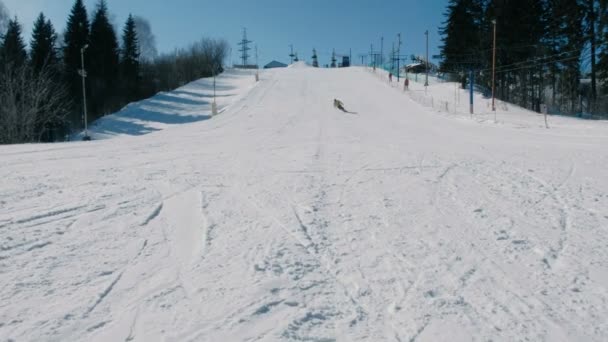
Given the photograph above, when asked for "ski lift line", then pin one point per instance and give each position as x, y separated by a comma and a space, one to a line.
515, 47
537, 59
535, 65
522, 62
538, 64
583, 55
476, 53
583, 50
533, 60
498, 47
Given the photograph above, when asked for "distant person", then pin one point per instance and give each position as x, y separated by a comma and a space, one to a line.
390, 77
406, 84
339, 104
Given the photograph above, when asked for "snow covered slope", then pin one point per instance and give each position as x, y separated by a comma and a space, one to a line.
187, 104
286, 219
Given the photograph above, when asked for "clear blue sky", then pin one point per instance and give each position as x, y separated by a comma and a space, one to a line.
272, 24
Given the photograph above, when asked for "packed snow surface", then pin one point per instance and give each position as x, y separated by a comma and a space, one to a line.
285, 219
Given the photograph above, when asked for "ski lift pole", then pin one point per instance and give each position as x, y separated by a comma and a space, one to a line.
398, 56
471, 81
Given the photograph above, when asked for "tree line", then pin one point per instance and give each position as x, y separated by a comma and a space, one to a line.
41, 91
548, 52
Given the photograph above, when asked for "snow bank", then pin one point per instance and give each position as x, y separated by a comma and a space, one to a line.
450, 99
187, 104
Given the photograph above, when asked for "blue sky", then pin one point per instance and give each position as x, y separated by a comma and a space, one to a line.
272, 24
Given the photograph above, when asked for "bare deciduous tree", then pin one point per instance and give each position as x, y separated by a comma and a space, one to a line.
146, 39
32, 103
202, 59
4, 18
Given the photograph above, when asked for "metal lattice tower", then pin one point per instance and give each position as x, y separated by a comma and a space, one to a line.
244, 48
291, 55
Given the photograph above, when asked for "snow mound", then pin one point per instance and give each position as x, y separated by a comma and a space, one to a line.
299, 65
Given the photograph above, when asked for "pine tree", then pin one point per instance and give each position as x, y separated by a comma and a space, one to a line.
75, 38
43, 45
130, 59
462, 35
12, 49
104, 62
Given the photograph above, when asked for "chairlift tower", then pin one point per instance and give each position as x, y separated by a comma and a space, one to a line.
333, 58
315, 60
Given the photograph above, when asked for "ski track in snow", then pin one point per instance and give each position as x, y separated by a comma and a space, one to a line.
285, 219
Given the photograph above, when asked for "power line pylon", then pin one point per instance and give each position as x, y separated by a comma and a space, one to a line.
244, 48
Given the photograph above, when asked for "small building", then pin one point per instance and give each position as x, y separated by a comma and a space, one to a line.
415, 68
275, 64
345, 62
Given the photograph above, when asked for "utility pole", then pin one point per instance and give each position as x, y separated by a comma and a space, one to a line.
426, 83
372, 56
257, 67
494, 71
83, 73
381, 50
594, 43
471, 83
398, 56
393, 58
244, 48
291, 54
